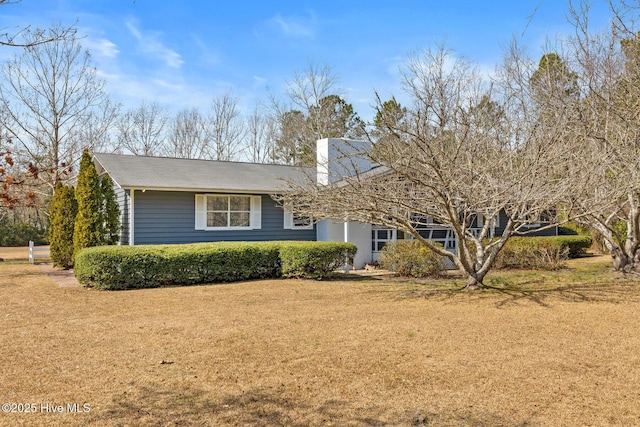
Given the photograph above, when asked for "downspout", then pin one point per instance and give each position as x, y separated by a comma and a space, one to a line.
346, 239
131, 216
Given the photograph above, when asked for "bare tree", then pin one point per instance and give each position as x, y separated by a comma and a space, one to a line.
468, 148
14, 190
606, 129
142, 130
226, 128
260, 137
48, 94
313, 109
188, 135
25, 37
99, 130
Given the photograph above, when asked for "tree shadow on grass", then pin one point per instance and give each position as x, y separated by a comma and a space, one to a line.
537, 292
158, 404
161, 404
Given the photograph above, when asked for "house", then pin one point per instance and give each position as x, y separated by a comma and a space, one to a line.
169, 200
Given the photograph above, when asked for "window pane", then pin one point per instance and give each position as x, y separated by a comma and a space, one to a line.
217, 203
217, 219
240, 203
381, 245
439, 234
239, 219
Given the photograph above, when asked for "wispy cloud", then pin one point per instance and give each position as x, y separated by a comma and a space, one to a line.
150, 44
101, 47
207, 56
295, 27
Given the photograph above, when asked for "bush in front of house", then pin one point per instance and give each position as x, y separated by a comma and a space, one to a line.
541, 253
577, 244
134, 267
411, 258
314, 260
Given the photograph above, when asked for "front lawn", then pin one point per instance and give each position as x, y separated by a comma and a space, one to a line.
547, 349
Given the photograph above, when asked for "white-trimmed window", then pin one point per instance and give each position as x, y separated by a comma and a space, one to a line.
228, 212
293, 221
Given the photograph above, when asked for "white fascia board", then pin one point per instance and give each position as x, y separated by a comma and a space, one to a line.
199, 190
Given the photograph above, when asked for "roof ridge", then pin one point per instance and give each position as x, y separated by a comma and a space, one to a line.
132, 156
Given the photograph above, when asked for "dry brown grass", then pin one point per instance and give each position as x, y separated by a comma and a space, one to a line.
552, 349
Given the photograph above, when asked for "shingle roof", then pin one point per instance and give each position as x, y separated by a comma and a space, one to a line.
163, 173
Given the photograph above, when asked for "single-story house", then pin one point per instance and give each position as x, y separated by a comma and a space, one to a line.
170, 200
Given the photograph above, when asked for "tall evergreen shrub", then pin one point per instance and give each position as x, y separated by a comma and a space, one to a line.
111, 211
62, 214
89, 226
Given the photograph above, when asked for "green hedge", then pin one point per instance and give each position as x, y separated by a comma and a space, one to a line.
315, 260
131, 267
541, 253
577, 245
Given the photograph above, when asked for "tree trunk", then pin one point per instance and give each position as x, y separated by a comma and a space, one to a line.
623, 261
474, 281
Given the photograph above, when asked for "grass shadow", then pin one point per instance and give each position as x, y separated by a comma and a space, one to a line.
540, 292
159, 404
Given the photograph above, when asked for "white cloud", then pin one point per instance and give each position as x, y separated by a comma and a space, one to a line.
294, 27
101, 47
150, 45
259, 81
207, 56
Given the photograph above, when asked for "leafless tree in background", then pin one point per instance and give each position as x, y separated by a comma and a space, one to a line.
48, 94
226, 128
142, 130
260, 137
99, 130
188, 135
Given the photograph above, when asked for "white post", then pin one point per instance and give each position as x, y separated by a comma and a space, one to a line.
346, 239
31, 257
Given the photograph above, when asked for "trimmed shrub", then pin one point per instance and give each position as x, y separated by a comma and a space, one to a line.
131, 267
411, 258
524, 253
577, 245
314, 260
541, 253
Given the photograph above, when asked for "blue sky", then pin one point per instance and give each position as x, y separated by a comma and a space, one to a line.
182, 53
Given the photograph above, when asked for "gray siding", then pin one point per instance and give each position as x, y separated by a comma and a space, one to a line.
168, 217
122, 197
